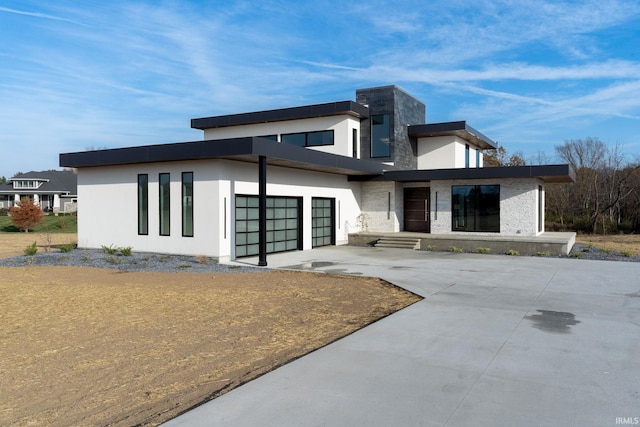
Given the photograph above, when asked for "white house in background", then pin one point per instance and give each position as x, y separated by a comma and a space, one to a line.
302, 177
55, 191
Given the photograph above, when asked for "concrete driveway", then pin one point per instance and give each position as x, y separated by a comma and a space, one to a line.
497, 341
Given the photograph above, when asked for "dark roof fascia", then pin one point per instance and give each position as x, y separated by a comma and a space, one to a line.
247, 149
460, 128
546, 173
303, 112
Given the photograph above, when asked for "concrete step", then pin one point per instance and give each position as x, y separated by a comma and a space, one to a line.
397, 242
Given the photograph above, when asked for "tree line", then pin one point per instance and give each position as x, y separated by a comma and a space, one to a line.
605, 198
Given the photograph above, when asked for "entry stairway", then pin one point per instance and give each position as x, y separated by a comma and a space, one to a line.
398, 242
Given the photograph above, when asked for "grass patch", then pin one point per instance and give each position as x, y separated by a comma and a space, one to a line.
543, 253
513, 252
455, 250
49, 224
483, 250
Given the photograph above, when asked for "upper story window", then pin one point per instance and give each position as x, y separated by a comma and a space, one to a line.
380, 135
269, 137
466, 156
26, 184
309, 139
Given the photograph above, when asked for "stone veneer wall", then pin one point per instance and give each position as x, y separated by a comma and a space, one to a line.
518, 206
377, 214
403, 109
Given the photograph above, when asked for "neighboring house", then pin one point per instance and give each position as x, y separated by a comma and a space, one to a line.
304, 177
55, 191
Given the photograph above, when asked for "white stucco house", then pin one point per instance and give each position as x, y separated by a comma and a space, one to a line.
308, 176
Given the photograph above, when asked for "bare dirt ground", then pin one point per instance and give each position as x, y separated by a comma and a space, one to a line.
86, 346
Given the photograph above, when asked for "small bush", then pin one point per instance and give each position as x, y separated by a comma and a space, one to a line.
544, 253
111, 250
513, 252
31, 250
202, 259
483, 250
577, 255
431, 247
126, 251
113, 260
62, 224
67, 248
627, 254
456, 250
606, 251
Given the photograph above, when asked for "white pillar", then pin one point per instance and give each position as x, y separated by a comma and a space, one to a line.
36, 199
16, 199
56, 203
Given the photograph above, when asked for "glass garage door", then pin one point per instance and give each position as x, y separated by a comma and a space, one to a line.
283, 225
323, 222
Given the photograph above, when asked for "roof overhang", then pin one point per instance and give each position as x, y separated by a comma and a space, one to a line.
460, 129
248, 149
545, 173
350, 108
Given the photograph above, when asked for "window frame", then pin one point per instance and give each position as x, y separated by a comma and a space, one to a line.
306, 136
187, 209
377, 139
472, 213
143, 204
164, 204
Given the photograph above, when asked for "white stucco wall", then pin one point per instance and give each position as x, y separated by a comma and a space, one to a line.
342, 126
445, 152
108, 204
518, 206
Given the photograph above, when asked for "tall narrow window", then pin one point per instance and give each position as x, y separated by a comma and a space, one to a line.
143, 204
187, 204
477, 157
540, 209
380, 136
354, 141
466, 156
165, 204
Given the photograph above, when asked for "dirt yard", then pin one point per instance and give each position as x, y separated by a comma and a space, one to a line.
616, 242
83, 346
12, 244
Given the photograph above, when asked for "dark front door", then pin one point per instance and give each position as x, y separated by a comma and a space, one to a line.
416, 209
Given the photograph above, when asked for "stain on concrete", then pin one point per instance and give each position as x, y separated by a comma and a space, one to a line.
557, 322
634, 295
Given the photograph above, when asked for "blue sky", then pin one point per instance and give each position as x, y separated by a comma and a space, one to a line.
76, 75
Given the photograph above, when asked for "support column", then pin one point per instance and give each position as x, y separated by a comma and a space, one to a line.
262, 211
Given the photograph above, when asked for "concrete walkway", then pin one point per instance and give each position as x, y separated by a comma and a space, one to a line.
497, 341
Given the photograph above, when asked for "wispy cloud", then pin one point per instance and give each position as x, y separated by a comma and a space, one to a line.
39, 15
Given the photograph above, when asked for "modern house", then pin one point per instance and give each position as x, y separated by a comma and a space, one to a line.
309, 176
55, 191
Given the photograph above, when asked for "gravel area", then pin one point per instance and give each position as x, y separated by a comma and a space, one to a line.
137, 261
582, 251
152, 262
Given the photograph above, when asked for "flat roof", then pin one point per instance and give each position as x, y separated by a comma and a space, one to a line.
247, 149
546, 173
303, 112
460, 129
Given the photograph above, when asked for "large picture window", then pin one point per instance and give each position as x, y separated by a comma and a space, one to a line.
475, 208
309, 139
187, 204
380, 135
165, 204
143, 204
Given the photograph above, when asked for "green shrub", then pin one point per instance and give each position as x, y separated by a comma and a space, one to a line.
544, 253
31, 250
577, 255
113, 260
513, 252
483, 250
627, 254
455, 250
431, 247
67, 248
126, 251
111, 250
